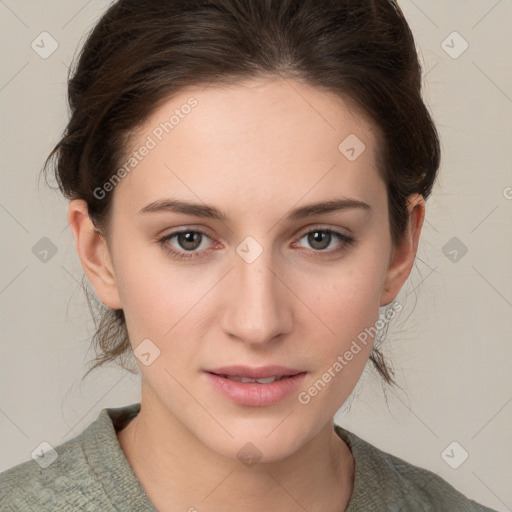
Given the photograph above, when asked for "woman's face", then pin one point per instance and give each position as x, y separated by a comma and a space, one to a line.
256, 289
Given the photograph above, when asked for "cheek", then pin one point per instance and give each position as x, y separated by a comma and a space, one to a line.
346, 299
156, 294
346, 306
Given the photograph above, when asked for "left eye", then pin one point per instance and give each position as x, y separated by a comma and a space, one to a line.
320, 239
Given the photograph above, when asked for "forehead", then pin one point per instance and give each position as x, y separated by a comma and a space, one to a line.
271, 140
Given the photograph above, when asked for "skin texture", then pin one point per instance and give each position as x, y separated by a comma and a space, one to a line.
255, 150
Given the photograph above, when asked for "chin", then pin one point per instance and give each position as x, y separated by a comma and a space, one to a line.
264, 441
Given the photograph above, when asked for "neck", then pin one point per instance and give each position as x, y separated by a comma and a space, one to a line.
178, 472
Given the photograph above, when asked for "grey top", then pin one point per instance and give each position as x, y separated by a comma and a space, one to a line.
92, 473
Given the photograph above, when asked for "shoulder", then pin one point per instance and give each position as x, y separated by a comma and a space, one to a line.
34, 485
386, 482
71, 476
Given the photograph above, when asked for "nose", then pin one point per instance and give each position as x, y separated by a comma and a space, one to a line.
257, 309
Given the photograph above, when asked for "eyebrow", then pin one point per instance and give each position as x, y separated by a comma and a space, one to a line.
206, 211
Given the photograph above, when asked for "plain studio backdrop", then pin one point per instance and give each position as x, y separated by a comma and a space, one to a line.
452, 343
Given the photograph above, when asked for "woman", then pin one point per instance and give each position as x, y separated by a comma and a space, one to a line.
247, 185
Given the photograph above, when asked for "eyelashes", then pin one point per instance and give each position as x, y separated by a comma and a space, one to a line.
182, 239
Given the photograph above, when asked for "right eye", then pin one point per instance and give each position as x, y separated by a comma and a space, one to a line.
189, 241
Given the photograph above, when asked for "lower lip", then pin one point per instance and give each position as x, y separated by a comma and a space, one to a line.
253, 394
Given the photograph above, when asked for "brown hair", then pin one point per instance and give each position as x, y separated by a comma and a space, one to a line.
141, 52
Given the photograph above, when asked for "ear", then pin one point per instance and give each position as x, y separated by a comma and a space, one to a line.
94, 254
403, 255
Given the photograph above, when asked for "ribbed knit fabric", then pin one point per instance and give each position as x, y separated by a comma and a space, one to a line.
91, 473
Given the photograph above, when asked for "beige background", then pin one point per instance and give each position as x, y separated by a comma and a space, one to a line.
451, 346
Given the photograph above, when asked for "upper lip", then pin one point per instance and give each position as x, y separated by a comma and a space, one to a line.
260, 372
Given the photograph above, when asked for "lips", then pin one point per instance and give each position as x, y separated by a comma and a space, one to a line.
255, 387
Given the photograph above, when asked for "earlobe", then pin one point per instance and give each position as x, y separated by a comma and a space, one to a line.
403, 255
94, 254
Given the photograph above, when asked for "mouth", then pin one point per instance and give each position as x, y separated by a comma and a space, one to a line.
238, 378
262, 374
